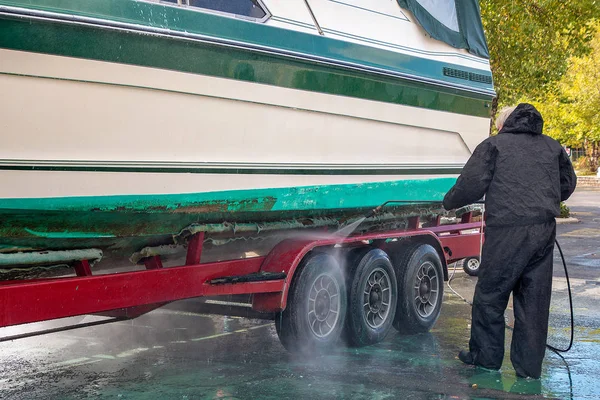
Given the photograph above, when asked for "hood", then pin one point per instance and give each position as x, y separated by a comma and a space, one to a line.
525, 119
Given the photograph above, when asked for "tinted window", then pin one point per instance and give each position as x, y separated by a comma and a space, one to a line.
248, 8
442, 10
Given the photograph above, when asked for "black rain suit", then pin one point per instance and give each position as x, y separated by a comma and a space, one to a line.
524, 176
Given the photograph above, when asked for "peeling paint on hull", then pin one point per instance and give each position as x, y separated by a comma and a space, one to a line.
56, 223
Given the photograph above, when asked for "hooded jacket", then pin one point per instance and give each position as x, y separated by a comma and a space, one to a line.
523, 174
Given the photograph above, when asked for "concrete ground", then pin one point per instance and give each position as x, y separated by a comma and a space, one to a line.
177, 353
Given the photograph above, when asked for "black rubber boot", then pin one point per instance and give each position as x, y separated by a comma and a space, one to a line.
466, 357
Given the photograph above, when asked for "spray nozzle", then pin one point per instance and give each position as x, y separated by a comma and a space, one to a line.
373, 212
377, 209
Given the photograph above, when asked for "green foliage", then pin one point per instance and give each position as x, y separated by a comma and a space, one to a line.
531, 41
571, 111
547, 52
565, 212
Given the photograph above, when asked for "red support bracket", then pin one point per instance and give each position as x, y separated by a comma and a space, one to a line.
466, 217
433, 222
153, 262
194, 251
82, 268
413, 222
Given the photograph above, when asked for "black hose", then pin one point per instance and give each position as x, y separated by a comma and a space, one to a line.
555, 349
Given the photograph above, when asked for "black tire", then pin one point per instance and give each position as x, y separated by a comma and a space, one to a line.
314, 317
371, 284
471, 265
421, 287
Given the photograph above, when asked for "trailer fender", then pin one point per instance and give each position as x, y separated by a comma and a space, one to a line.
284, 257
287, 255
432, 240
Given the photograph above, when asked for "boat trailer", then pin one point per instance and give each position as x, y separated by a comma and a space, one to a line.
269, 279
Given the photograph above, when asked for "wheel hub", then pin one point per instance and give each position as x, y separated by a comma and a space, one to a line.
322, 305
377, 297
473, 264
426, 289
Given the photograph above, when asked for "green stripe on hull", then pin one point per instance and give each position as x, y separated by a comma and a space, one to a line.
105, 217
322, 197
90, 42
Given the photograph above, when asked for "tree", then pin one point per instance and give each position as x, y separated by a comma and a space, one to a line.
572, 111
530, 42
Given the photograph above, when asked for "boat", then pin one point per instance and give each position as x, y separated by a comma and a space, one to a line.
127, 124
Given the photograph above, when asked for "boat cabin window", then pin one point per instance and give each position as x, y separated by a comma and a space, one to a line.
443, 11
248, 8
245, 8
457, 23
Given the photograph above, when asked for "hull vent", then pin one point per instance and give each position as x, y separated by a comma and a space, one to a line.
467, 76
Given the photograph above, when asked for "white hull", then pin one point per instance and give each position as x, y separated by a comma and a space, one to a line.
67, 111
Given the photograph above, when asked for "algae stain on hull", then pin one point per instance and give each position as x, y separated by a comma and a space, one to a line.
220, 206
68, 234
52, 223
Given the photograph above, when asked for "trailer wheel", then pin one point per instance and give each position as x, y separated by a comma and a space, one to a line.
421, 285
372, 297
316, 306
471, 265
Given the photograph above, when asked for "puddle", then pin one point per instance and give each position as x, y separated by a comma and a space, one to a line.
583, 233
587, 260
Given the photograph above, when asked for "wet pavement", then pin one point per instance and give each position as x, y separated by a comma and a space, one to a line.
176, 353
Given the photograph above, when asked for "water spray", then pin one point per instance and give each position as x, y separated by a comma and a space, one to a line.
349, 229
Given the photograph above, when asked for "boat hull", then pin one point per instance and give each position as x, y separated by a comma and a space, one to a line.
121, 128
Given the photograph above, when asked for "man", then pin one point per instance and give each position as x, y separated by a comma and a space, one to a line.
524, 176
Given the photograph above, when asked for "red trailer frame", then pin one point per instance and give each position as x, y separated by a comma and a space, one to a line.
131, 294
